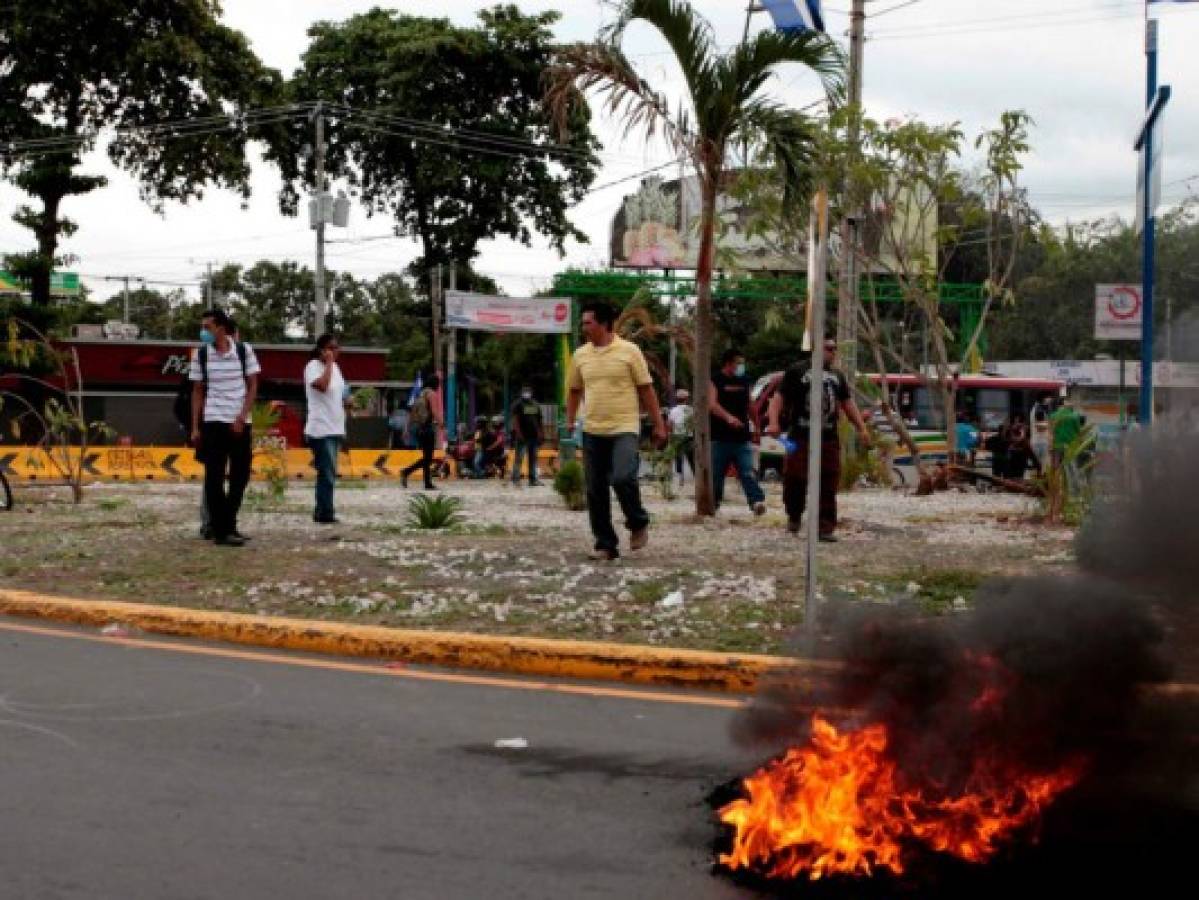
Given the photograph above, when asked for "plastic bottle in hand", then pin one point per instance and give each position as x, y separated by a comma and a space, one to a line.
789, 445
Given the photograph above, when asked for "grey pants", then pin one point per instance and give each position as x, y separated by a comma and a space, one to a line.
612, 464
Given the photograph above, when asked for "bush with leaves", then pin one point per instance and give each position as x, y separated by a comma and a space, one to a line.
1066, 489
434, 512
571, 484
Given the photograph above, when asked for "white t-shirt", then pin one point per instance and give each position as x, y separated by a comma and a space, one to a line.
326, 412
680, 417
226, 385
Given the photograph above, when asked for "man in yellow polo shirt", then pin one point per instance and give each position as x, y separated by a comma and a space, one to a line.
611, 373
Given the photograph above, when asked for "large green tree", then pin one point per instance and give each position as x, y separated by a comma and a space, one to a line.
441, 128
726, 104
72, 74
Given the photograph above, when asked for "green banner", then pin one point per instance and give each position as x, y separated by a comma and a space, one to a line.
62, 284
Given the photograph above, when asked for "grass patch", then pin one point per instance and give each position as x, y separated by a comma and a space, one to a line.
938, 588
112, 504
650, 592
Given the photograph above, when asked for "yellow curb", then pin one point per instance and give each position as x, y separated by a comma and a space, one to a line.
734, 673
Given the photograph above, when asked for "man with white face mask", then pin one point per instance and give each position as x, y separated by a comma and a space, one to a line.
728, 400
525, 428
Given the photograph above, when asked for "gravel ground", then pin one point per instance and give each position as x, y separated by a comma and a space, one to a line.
517, 564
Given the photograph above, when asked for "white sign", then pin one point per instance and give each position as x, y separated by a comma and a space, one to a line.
1118, 312
528, 315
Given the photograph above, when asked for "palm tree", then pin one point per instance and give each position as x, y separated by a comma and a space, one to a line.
727, 107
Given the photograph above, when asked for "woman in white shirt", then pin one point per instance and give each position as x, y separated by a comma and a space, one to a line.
325, 390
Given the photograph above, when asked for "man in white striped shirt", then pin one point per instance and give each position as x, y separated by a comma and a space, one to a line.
224, 375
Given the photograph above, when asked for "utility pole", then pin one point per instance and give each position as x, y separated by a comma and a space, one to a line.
125, 317
208, 288
451, 387
847, 294
319, 277
435, 301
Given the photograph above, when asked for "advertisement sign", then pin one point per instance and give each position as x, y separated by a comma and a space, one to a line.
1118, 312
62, 284
526, 315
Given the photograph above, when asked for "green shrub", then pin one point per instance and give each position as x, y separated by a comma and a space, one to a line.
434, 512
571, 484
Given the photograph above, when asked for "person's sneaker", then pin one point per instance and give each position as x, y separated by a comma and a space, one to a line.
331, 520
205, 533
793, 525
536, 483
403, 481
639, 538
229, 540
237, 534
828, 537
759, 508
603, 554
430, 487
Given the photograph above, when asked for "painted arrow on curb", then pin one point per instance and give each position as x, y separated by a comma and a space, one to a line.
89, 464
380, 464
168, 464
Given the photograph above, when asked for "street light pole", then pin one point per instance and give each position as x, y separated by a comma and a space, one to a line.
319, 276
847, 294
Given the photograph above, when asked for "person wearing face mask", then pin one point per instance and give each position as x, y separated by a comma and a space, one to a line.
524, 424
224, 374
728, 401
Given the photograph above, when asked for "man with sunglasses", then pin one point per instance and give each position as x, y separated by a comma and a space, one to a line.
790, 404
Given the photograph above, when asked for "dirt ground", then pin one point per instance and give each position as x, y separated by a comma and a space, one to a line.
517, 564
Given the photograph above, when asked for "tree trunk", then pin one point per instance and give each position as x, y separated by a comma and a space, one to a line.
47, 245
705, 501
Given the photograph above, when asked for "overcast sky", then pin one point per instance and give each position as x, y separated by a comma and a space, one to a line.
1076, 66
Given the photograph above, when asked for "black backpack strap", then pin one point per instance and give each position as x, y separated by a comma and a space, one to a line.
241, 355
203, 357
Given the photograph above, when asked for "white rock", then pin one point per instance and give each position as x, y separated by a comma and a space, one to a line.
516, 743
673, 600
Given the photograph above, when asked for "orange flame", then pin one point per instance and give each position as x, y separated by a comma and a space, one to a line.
838, 807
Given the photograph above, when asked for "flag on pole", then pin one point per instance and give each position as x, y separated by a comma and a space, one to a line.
417, 386
795, 15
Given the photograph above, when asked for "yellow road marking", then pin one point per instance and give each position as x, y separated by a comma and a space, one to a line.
413, 674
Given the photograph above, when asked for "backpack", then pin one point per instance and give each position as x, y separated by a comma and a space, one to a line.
421, 413
182, 408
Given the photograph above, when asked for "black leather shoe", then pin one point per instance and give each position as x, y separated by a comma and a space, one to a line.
237, 534
229, 540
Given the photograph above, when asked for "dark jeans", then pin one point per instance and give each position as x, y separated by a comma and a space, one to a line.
685, 450
522, 448
226, 455
613, 462
741, 455
324, 457
426, 437
795, 481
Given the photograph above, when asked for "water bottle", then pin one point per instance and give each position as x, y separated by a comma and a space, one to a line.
789, 446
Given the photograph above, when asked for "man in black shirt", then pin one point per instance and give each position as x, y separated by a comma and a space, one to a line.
791, 401
728, 401
525, 428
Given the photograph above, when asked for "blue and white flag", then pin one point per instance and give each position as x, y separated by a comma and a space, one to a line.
416, 389
795, 15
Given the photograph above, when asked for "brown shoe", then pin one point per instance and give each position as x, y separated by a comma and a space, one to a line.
639, 538
793, 526
603, 554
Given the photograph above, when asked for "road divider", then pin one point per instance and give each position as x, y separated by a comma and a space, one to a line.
179, 463
734, 673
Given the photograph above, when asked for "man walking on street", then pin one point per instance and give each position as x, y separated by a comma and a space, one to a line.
729, 405
525, 428
425, 420
611, 373
224, 373
791, 403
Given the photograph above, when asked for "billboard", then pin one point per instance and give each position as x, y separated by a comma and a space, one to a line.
526, 315
62, 284
658, 228
1118, 310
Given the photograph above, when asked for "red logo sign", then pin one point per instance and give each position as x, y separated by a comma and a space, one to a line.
1124, 303
561, 312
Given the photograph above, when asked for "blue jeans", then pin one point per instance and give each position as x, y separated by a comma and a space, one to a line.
741, 455
324, 457
523, 448
612, 463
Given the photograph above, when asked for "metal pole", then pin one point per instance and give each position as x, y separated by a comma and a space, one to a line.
208, 288
319, 277
451, 387
847, 295
1147, 255
125, 318
1123, 417
817, 289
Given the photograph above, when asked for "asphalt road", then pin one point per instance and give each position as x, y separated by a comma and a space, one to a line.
158, 769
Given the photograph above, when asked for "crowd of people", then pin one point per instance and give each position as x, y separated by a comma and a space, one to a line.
609, 391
